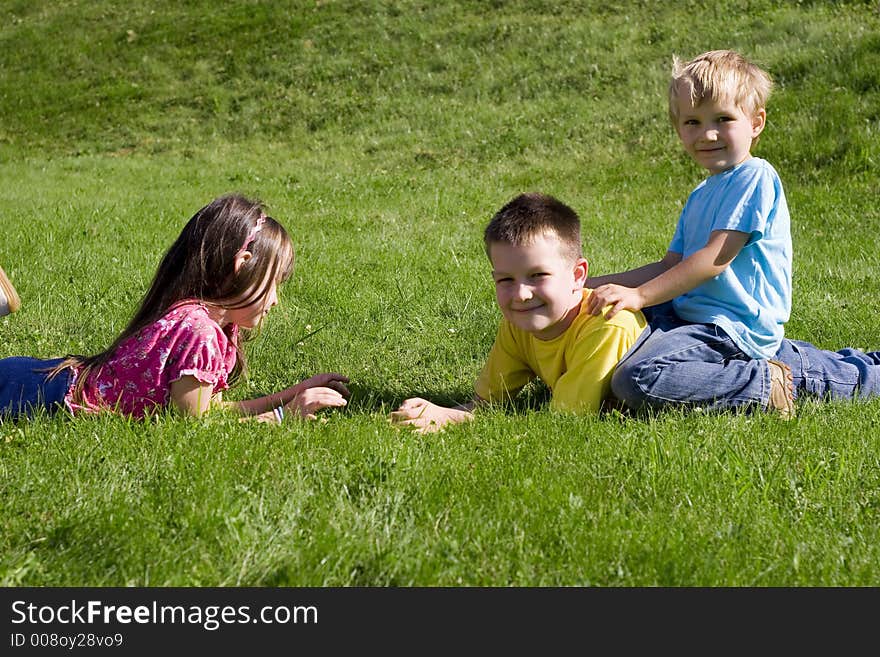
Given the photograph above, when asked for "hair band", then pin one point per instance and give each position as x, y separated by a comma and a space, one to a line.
252, 235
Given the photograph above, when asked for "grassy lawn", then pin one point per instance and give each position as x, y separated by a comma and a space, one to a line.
384, 135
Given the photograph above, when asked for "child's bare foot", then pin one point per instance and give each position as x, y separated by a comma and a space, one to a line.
9, 301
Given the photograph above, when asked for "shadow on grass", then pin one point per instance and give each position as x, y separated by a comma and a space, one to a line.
534, 397
367, 399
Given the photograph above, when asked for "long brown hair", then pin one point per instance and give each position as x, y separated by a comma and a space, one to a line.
201, 265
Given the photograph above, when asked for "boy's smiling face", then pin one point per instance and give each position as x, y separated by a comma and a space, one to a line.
538, 286
717, 134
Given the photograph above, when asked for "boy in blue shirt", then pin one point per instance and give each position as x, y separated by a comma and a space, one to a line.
718, 300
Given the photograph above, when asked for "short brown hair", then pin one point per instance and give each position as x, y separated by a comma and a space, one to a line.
529, 216
719, 75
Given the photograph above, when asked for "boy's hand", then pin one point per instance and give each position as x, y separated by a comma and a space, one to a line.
425, 417
616, 296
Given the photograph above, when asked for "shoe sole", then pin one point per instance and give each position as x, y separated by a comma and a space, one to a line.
781, 390
13, 302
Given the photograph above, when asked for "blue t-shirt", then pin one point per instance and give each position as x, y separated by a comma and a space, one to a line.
751, 299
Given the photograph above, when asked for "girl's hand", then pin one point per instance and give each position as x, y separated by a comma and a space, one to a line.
311, 400
330, 380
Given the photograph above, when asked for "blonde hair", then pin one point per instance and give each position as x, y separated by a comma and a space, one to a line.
719, 75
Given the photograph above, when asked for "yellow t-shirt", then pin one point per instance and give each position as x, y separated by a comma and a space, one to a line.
577, 365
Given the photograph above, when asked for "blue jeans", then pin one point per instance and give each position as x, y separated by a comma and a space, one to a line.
675, 362
844, 374
25, 387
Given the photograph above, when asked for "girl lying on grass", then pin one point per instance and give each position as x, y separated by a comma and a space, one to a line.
182, 347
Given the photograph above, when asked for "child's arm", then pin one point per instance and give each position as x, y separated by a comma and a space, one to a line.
701, 266
503, 375
635, 277
303, 399
426, 417
192, 397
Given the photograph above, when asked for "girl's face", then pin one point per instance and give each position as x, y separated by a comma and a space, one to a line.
252, 315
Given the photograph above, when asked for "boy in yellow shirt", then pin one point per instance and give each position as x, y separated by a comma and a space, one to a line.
534, 246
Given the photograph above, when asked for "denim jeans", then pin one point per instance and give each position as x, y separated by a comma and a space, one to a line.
25, 387
675, 362
844, 374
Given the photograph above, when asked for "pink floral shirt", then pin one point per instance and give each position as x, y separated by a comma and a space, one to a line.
137, 379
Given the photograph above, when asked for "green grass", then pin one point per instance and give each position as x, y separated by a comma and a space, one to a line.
384, 135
